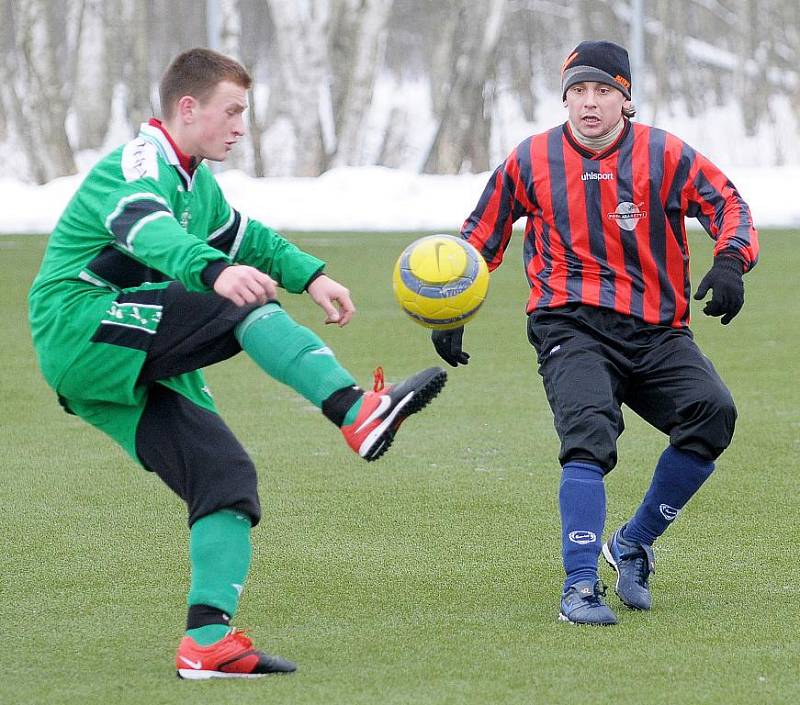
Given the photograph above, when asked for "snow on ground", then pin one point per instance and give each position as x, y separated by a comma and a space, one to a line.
374, 198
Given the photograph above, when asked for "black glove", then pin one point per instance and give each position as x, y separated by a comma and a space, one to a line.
448, 345
725, 280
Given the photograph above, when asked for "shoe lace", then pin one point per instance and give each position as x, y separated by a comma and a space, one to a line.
596, 598
377, 379
240, 636
643, 562
600, 589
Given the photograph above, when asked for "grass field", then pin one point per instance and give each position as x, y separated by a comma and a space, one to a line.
433, 575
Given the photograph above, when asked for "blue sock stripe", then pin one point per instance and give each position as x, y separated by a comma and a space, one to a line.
579, 470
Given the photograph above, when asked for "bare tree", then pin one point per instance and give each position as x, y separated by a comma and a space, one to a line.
301, 40
462, 136
360, 45
96, 76
39, 74
316, 64
256, 51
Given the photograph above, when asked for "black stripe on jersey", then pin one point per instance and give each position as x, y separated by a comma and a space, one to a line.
131, 214
223, 240
711, 196
597, 243
679, 178
560, 197
547, 256
135, 338
675, 216
630, 248
121, 270
658, 234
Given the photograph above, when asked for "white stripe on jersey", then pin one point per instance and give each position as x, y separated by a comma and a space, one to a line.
130, 198
237, 243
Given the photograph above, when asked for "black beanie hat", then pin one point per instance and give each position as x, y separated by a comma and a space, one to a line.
603, 62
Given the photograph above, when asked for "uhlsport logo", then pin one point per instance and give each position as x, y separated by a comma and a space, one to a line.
597, 176
627, 214
582, 537
669, 513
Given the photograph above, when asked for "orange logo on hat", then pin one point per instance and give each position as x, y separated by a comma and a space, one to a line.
623, 81
569, 60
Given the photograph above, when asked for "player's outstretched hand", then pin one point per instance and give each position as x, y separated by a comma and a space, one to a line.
245, 285
448, 345
725, 281
333, 298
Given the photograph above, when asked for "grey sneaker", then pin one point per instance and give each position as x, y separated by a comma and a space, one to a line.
583, 603
633, 562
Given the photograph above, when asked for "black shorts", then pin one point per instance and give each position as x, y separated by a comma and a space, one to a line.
593, 360
191, 448
196, 330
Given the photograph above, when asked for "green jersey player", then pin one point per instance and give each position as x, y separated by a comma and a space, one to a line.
149, 276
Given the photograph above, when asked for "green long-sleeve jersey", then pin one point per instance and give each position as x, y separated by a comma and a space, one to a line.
138, 221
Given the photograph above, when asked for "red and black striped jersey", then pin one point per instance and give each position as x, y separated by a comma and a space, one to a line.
607, 230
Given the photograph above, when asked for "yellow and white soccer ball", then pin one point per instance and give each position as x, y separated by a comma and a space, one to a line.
440, 281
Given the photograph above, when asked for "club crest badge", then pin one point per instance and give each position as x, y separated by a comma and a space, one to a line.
628, 214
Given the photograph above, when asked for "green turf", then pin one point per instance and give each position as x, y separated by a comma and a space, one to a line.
431, 576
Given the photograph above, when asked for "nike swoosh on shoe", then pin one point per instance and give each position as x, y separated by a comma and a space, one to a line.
196, 665
383, 404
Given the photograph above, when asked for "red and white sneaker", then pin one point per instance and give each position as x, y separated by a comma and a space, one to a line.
384, 409
231, 657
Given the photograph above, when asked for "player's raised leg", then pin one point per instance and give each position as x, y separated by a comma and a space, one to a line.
684, 397
296, 356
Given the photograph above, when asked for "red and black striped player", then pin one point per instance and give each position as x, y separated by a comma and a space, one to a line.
607, 260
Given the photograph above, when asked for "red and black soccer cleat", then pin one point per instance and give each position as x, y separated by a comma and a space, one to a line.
384, 409
231, 657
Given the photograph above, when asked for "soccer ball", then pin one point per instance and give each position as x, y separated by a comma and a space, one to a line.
440, 281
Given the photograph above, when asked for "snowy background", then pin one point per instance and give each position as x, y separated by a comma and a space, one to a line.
374, 198
381, 198
390, 114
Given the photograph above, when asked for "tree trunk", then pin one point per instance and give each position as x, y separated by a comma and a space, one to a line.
465, 120
94, 80
368, 19
40, 84
256, 34
301, 42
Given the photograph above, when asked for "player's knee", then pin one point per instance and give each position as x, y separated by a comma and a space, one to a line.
234, 487
708, 425
590, 438
719, 413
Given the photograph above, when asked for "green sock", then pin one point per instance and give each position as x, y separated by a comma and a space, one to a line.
219, 551
209, 634
352, 412
291, 353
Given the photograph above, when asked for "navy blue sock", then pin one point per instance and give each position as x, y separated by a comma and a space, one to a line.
678, 475
582, 500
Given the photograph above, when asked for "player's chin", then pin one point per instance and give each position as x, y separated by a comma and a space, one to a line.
221, 154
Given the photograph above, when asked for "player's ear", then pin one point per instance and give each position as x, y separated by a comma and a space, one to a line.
186, 108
